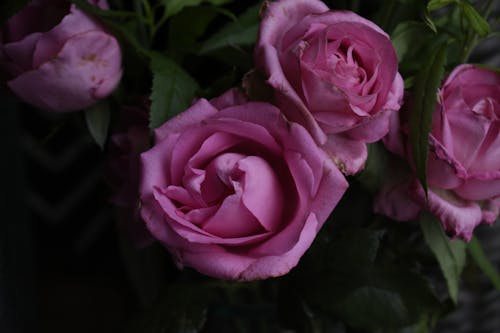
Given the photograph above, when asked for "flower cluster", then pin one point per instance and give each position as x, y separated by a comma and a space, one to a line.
238, 189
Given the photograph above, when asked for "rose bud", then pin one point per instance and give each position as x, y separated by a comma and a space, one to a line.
58, 58
334, 72
234, 190
464, 156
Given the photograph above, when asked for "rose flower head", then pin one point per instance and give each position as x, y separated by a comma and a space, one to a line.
234, 190
334, 72
463, 170
58, 58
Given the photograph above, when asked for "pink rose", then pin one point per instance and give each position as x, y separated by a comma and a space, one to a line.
59, 59
332, 71
464, 155
235, 191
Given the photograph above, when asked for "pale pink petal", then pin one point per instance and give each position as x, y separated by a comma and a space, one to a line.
458, 217
74, 23
233, 220
468, 74
480, 186
373, 128
443, 171
262, 192
75, 78
349, 155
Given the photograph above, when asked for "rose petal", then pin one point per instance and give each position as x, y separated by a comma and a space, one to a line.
196, 233
394, 140
488, 156
20, 54
218, 181
74, 23
262, 192
480, 186
459, 217
272, 266
153, 162
393, 200
371, 129
349, 155
395, 97
231, 97
76, 77
469, 74
278, 17
468, 132
443, 171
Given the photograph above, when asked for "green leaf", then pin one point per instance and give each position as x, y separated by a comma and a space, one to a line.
192, 22
409, 81
375, 168
352, 271
429, 22
450, 254
404, 35
219, 2
97, 118
437, 4
172, 92
10, 7
481, 260
357, 247
477, 22
172, 7
242, 32
370, 306
427, 81
488, 67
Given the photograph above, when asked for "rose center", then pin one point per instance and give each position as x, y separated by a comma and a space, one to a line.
233, 196
488, 108
342, 63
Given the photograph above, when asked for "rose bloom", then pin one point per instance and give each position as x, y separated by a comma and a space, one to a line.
332, 71
58, 58
464, 156
234, 190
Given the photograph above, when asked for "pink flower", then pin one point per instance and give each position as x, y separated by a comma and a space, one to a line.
59, 59
235, 191
464, 155
332, 71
